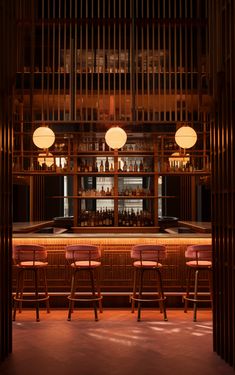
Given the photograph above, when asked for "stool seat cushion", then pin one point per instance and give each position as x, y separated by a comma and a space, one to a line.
86, 264
147, 264
199, 263
32, 264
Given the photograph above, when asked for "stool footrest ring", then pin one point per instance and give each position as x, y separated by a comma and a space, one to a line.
31, 299
85, 299
196, 300
148, 300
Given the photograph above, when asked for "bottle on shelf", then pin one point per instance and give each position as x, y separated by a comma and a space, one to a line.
101, 166
131, 167
86, 167
107, 164
125, 166
119, 167
102, 192
108, 192
111, 167
135, 167
141, 167
96, 167
90, 167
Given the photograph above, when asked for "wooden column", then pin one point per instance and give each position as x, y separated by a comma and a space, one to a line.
7, 33
222, 47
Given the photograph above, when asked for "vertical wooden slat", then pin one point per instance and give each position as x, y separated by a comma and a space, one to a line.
222, 59
7, 73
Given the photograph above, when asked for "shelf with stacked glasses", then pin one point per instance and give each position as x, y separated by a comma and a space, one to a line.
113, 190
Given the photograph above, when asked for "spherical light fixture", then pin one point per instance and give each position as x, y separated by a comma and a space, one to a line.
43, 137
115, 137
185, 137
45, 158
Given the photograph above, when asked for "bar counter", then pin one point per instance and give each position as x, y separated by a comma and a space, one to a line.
116, 270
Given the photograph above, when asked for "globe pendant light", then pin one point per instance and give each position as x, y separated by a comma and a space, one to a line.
185, 137
115, 137
43, 137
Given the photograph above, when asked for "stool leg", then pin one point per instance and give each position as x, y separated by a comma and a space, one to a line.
71, 294
46, 290
195, 297
162, 295
18, 275
161, 308
187, 289
36, 293
140, 293
98, 290
134, 290
93, 293
210, 286
21, 287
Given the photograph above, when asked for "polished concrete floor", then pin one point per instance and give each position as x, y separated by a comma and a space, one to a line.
116, 344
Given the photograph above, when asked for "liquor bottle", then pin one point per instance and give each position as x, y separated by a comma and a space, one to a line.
119, 167
141, 168
90, 167
82, 167
101, 166
108, 192
135, 167
126, 191
131, 167
86, 168
107, 164
102, 191
100, 144
111, 167
125, 166
96, 167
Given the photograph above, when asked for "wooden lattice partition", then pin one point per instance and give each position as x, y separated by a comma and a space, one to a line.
222, 49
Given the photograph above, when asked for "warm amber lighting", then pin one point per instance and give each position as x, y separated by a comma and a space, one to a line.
115, 137
43, 137
46, 158
185, 137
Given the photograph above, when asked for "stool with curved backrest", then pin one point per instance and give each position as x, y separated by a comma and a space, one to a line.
30, 258
147, 258
199, 259
84, 258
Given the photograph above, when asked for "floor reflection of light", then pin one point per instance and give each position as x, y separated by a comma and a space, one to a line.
204, 326
161, 323
157, 329
197, 334
130, 336
113, 339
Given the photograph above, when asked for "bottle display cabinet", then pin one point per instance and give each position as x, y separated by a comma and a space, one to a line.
113, 190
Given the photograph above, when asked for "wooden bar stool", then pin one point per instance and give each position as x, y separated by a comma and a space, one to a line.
147, 258
84, 258
200, 260
30, 258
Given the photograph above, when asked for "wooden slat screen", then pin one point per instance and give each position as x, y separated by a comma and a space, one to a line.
222, 48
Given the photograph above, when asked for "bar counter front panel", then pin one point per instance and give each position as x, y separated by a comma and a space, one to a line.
116, 271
